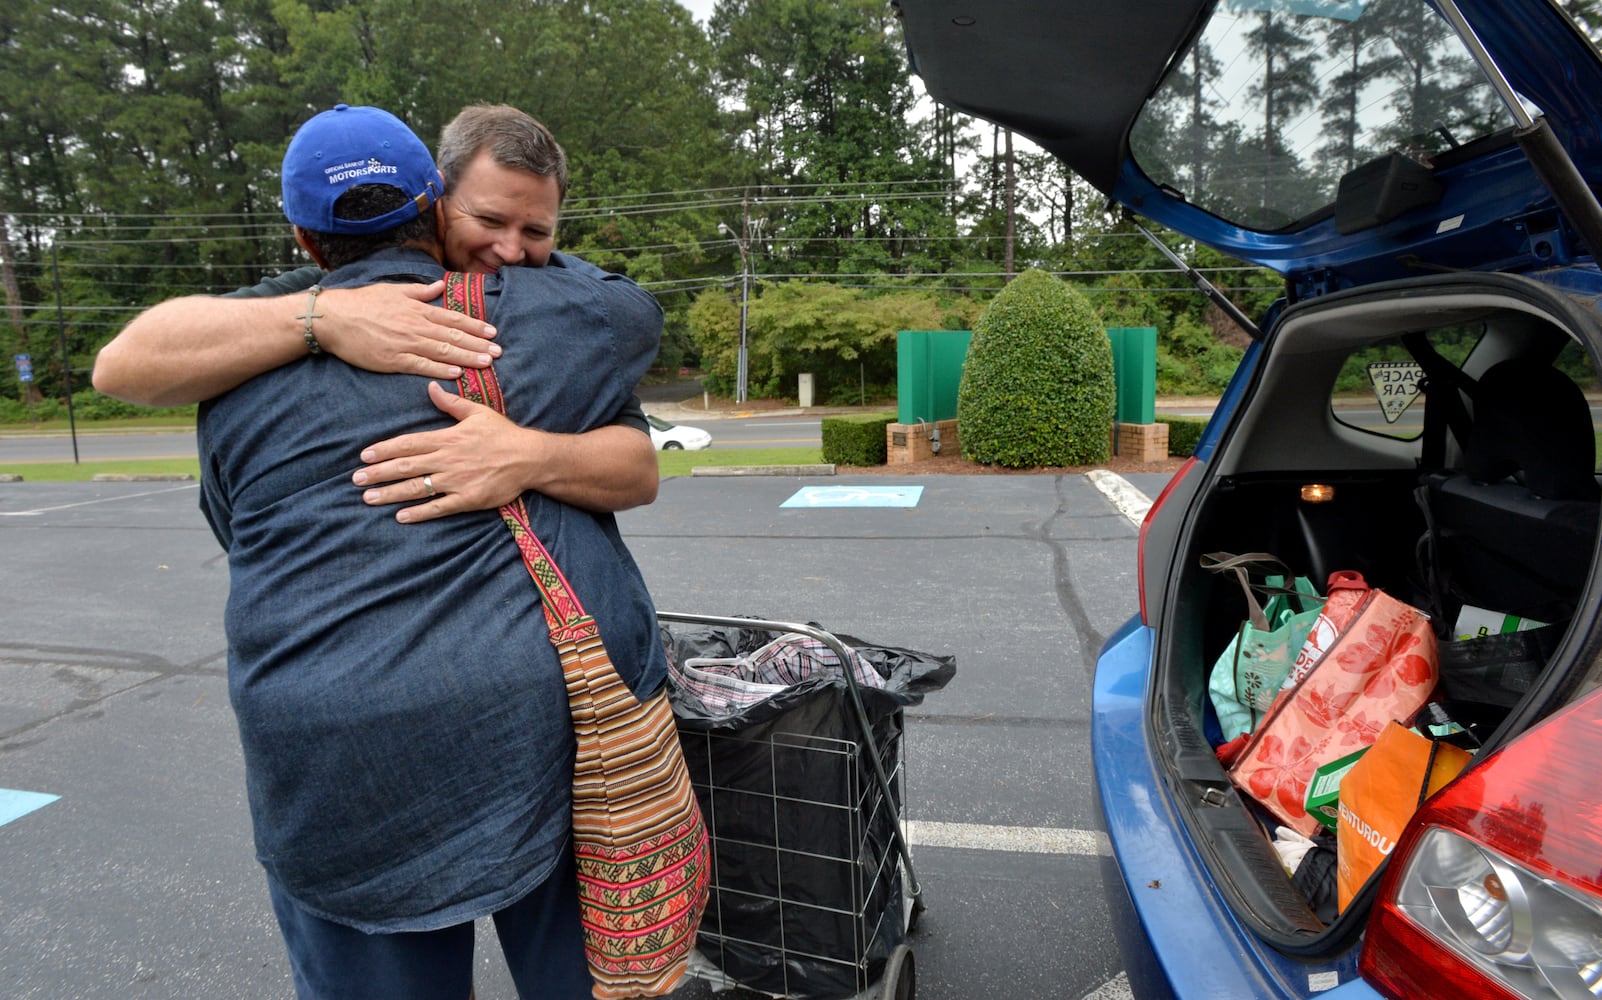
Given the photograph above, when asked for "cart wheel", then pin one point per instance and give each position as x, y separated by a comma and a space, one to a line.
900, 975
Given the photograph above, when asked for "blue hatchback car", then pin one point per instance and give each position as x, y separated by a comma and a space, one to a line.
1423, 174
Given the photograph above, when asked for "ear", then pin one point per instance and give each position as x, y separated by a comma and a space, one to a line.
303, 239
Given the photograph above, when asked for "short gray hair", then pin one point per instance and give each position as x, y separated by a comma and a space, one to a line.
512, 139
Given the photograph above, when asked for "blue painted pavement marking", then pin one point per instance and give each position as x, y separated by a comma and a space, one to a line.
855, 496
15, 804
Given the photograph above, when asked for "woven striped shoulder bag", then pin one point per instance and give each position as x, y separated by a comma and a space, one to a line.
642, 849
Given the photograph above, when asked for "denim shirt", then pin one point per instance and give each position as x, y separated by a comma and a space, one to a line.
408, 748
302, 278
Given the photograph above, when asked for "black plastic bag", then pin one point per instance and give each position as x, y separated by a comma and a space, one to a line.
807, 898
1496, 671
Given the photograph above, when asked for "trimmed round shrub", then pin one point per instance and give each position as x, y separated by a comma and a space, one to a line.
1038, 387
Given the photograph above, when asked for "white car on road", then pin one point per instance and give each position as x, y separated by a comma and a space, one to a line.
672, 437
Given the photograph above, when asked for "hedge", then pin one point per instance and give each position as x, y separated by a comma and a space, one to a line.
856, 439
1184, 433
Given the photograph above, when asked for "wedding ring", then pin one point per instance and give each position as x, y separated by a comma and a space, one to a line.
428, 484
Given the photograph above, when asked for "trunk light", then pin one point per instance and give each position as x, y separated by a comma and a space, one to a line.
1495, 889
1318, 493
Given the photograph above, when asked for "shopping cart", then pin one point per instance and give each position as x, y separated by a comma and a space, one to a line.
813, 887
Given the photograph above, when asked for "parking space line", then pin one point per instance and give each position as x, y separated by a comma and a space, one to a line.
1017, 839
90, 503
1116, 988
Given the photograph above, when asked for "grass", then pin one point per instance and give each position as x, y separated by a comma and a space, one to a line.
61, 425
67, 472
679, 463
671, 463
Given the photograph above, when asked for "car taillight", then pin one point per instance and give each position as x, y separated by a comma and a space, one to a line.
1145, 523
1495, 890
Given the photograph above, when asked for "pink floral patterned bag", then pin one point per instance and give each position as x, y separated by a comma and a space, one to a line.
1380, 666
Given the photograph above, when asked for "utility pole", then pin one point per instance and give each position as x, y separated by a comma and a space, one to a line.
66, 360
743, 242
1011, 205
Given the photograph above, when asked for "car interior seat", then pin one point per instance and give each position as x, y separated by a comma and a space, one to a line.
1513, 530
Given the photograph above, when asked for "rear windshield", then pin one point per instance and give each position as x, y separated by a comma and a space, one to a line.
1278, 98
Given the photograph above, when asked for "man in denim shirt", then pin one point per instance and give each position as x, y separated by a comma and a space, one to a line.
500, 209
407, 742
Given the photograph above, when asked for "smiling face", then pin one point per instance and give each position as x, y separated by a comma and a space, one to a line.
497, 215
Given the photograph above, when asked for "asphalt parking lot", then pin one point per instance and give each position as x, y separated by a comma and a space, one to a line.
137, 878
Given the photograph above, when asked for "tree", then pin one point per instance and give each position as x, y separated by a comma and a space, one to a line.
823, 109
1354, 44
1037, 388
844, 336
1587, 14
1287, 87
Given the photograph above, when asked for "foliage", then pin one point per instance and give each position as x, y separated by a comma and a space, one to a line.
846, 337
1184, 434
822, 102
1037, 388
15, 411
856, 440
88, 404
142, 143
1191, 361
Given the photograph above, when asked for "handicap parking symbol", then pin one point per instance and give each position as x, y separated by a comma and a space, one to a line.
855, 496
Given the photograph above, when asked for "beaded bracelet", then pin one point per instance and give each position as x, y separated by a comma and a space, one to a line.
311, 303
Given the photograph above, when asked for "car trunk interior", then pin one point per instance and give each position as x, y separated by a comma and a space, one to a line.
1498, 510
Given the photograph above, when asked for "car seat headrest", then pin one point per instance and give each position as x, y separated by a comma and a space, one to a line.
1533, 424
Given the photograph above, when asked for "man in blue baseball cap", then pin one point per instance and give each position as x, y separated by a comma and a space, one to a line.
319, 168
505, 177
407, 742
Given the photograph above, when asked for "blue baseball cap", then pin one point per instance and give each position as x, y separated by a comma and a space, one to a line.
346, 147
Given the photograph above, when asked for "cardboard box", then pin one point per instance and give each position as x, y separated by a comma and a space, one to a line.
1323, 791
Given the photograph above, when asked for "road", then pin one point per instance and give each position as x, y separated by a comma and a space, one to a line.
138, 882
758, 431
737, 432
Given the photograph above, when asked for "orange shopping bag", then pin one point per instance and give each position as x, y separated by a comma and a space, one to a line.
1380, 794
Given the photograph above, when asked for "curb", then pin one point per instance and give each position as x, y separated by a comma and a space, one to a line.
142, 477
763, 470
1131, 502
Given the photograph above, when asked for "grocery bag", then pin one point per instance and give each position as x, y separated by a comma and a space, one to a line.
1249, 672
1380, 794
1379, 667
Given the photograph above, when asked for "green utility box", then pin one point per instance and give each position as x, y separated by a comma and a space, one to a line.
928, 372
1135, 372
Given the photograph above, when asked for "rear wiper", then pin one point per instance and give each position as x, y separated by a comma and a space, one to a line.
1218, 298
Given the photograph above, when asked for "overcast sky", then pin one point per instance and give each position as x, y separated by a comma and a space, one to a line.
702, 9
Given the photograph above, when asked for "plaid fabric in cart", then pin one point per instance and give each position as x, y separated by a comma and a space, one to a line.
728, 684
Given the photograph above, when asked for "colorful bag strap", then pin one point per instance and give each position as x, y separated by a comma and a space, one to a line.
564, 614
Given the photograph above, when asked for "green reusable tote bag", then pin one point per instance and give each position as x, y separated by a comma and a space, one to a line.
1249, 672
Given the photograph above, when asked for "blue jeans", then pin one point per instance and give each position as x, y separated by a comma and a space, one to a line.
539, 936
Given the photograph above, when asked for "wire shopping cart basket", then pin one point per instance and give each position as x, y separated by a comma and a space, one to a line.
813, 886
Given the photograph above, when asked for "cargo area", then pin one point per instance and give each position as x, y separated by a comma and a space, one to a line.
1487, 500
